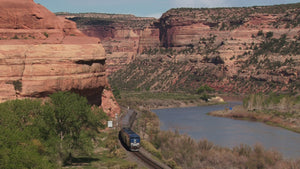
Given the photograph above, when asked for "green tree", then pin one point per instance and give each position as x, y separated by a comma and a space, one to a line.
204, 89
68, 124
44, 135
19, 147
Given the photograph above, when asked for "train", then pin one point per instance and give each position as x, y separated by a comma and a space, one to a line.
130, 139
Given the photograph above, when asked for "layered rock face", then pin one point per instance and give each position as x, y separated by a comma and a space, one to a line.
251, 48
41, 53
122, 36
240, 50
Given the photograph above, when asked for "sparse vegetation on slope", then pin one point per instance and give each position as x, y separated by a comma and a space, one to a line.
231, 18
159, 75
124, 20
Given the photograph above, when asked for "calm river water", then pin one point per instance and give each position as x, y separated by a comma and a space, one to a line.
227, 132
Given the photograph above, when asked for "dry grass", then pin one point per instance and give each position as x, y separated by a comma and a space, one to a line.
284, 120
188, 153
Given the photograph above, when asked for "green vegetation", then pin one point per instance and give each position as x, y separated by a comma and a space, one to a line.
149, 99
15, 37
155, 51
282, 103
116, 93
46, 34
17, 85
205, 89
231, 18
47, 135
162, 75
260, 33
268, 54
205, 46
281, 46
111, 19
91, 21
151, 149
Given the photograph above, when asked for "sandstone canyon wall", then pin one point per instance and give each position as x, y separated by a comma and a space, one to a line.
122, 36
41, 53
254, 49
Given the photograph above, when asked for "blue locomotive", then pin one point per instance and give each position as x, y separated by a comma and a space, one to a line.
130, 139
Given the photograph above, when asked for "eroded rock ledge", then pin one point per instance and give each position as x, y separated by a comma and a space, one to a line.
41, 53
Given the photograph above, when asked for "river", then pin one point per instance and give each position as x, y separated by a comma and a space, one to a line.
228, 132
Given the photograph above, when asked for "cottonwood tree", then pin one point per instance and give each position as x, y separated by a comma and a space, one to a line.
68, 124
19, 143
45, 135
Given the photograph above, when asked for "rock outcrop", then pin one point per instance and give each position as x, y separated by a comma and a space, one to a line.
41, 53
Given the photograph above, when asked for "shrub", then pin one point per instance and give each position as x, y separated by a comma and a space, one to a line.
116, 93
15, 37
205, 88
150, 148
46, 34
269, 35
17, 85
260, 33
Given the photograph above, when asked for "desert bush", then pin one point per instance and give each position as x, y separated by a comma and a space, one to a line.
46, 34
269, 34
189, 153
260, 33
116, 92
150, 148
204, 89
17, 85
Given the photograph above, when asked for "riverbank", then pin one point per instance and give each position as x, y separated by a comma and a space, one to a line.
187, 152
179, 150
288, 121
152, 100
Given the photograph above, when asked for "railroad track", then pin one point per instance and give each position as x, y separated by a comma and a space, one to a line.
127, 121
146, 160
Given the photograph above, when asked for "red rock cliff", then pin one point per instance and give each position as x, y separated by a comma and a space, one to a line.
41, 53
254, 49
122, 36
